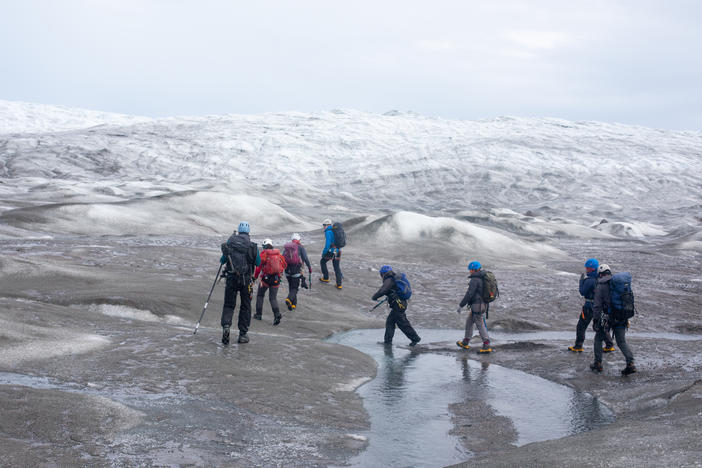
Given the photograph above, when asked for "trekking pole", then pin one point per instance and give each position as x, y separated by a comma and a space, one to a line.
379, 304
197, 325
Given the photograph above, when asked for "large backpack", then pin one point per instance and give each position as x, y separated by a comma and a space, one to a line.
273, 262
291, 253
339, 235
402, 286
490, 289
622, 297
236, 249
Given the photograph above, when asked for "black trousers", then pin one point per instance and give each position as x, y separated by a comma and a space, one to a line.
237, 286
293, 281
397, 317
583, 322
336, 260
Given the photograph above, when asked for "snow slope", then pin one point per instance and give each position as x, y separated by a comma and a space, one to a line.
528, 178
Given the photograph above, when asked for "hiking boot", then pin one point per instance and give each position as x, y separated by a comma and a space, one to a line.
463, 344
257, 316
596, 366
629, 369
324, 280
294, 307
338, 286
485, 349
243, 338
414, 342
276, 321
225, 335
575, 349
385, 343
608, 349
289, 303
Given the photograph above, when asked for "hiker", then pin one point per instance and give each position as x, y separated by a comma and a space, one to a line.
331, 251
588, 280
397, 305
240, 256
295, 254
272, 266
478, 308
603, 318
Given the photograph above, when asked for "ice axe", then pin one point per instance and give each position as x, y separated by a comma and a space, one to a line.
379, 304
197, 325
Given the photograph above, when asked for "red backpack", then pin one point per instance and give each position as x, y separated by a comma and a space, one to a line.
273, 262
291, 253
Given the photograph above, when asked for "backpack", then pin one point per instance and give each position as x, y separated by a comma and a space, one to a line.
490, 289
236, 250
402, 286
273, 262
621, 297
291, 253
339, 235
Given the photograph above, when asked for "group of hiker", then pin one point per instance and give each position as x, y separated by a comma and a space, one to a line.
608, 298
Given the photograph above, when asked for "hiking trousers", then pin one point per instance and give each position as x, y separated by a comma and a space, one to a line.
479, 320
272, 298
584, 320
294, 276
620, 335
233, 288
397, 317
335, 257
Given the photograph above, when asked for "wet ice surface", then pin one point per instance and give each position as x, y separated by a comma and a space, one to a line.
408, 401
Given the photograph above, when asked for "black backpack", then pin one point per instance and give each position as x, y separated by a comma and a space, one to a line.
237, 251
490, 289
339, 235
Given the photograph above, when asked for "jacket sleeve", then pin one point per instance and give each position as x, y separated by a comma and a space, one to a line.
599, 304
582, 285
385, 289
329, 240
587, 286
469, 298
304, 257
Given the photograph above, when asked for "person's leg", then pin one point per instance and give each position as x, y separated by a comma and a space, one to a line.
584, 320
259, 300
244, 310
620, 335
336, 263
389, 327
273, 299
293, 287
404, 325
229, 304
599, 337
609, 344
479, 320
323, 267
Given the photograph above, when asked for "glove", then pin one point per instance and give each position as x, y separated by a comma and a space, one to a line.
459, 309
223, 259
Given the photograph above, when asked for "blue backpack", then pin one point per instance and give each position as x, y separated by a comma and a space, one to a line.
402, 286
622, 297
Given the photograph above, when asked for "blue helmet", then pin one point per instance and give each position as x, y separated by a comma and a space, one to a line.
243, 227
474, 266
384, 269
592, 263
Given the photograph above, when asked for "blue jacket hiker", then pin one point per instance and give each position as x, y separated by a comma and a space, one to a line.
588, 281
330, 252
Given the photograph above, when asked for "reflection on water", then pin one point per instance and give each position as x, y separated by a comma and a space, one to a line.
408, 402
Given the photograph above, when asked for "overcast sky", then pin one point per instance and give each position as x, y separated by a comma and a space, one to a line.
635, 61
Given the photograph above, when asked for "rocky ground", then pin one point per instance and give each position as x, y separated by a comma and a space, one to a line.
100, 367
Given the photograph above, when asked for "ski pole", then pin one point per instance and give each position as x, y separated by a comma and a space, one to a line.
379, 304
197, 325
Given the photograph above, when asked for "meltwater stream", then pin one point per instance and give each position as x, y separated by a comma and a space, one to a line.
408, 402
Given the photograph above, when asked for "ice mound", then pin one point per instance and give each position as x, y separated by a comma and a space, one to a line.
206, 213
637, 230
449, 234
131, 313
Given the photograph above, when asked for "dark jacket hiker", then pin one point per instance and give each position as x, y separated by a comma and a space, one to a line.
397, 305
474, 297
293, 272
588, 281
240, 256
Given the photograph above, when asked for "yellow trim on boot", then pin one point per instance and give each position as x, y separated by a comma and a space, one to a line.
575, 350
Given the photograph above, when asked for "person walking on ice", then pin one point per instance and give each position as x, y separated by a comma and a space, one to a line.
271, 267
295, 255
397, 289
588, 281
334, 240
478, 308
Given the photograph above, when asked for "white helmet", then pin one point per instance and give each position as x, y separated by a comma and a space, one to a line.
603, 268
295, 236
326, 222
267, 242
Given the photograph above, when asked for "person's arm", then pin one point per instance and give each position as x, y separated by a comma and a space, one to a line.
597, 305
305, 258
385, 289
470, 293
329, 240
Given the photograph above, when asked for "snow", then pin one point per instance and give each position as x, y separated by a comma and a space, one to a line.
522, 180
